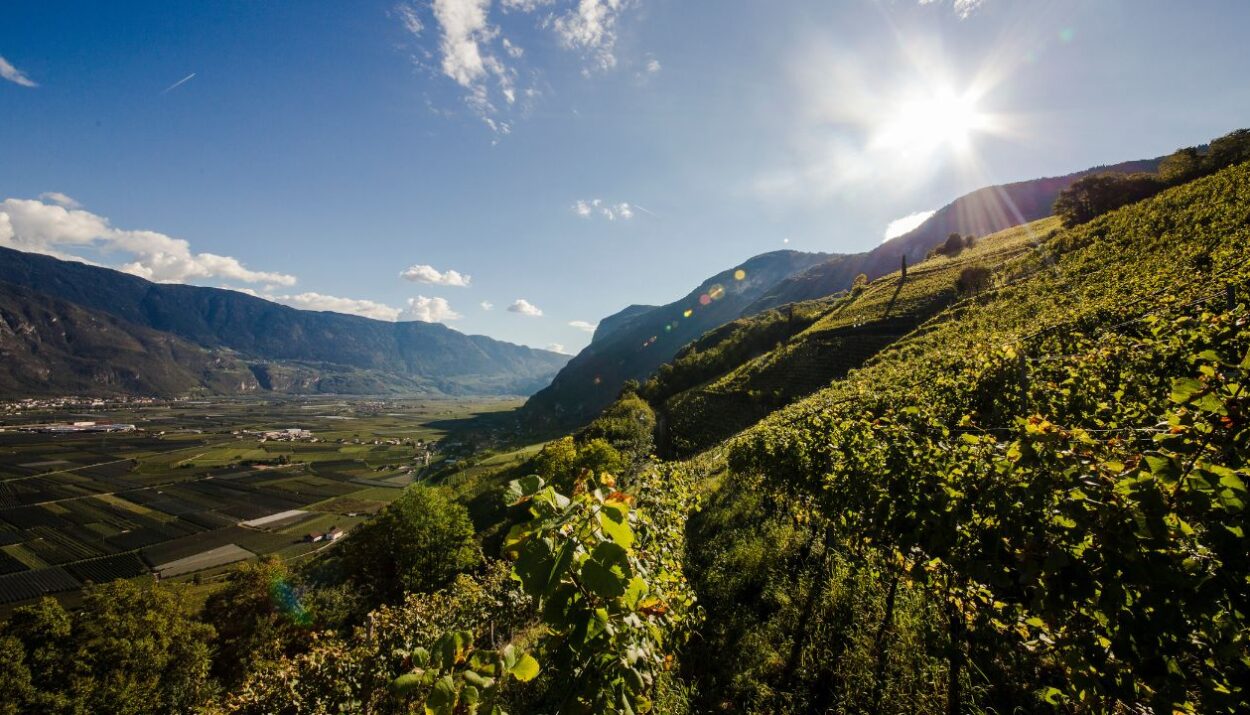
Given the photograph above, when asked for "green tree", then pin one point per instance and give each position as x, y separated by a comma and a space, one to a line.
557, 460
416, 545
131, 648
258, 617
1092, 196
1180, 166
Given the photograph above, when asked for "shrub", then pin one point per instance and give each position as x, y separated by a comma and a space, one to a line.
416, 545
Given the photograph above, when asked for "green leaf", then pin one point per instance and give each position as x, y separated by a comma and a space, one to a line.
602, 580
407, 683
525, 669
1184, 389
635, 592
442, 699
617, 530
521, 489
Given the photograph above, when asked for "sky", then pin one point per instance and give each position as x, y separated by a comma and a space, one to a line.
523, 168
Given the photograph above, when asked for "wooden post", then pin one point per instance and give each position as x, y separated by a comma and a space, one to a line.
903, 267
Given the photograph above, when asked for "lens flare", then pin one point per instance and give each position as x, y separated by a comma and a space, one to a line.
286, 599
717, 292
740, 274
687, 313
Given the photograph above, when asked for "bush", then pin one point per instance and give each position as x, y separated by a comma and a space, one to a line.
416, 545
973, 280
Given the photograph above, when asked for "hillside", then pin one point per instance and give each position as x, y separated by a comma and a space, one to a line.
979, 213
634, 342
718, 386
392, 355
1036, 498
638, 340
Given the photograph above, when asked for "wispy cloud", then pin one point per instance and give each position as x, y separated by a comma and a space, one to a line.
14, 75
558, 348
900, 226
178, 84
583, 325
590, 208
590, 27
487, 305
962, 8
350, 306
422, 273
522, 306
470, 48
429, 310
57, 197
55, 228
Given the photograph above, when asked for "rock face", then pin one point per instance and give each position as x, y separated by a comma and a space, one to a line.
109, 318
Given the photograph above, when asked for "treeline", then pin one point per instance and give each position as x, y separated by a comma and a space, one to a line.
1094, 195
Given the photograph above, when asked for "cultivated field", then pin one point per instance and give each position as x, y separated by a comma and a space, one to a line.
196, 488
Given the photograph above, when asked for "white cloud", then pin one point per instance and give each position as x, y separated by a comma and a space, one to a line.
524, 307
900, 226
351, 306
470, 48
962, 8
409, 19
15, 75
588, 208
429, 310
422, 273
653, 66
591, 28
583, 325
47, 228
57, 197
487, 305
558, 348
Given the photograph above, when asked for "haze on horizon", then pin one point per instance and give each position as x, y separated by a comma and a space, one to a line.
522, 168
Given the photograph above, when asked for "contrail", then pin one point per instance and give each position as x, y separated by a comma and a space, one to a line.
645, 210
179, 83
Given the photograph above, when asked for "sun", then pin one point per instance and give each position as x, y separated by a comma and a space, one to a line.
927, 121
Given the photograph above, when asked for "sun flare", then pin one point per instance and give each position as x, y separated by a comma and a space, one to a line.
929, 121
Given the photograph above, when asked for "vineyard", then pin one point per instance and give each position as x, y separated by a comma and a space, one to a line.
1037, 498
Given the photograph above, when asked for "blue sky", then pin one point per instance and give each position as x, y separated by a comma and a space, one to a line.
563, 156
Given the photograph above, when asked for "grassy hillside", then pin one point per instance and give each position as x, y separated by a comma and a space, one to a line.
800, 348
1035, 502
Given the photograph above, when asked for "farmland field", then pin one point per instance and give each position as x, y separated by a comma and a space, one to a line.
197, 485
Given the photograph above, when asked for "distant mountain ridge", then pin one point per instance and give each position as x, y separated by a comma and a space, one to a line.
405, 355
631, 344
622, 348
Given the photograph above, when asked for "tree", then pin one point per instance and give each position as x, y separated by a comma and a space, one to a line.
557, 461
258, 616
952, 246
416, 545
131, 648
599, 457
1180, 166
1232, 148
1092, 196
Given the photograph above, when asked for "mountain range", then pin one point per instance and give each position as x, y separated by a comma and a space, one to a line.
71, 327
633, 343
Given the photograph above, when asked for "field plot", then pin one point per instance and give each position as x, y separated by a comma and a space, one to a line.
198, 485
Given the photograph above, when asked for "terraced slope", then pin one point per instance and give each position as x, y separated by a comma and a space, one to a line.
1036, 502
828, 339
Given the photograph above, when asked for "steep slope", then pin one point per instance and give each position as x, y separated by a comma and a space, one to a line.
51, 347
712, 390
982, 212
1035, 500
260, 330
641, 342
